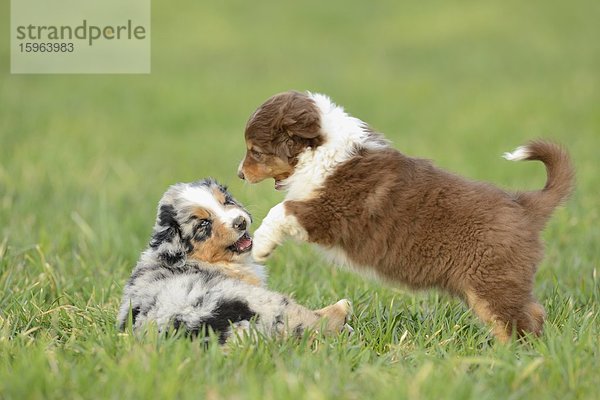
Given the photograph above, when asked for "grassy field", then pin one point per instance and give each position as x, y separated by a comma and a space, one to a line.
84, 160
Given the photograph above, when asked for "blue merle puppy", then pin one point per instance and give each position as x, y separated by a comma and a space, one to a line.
198, 273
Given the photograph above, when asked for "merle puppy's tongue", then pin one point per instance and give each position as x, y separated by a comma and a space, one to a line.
244, 243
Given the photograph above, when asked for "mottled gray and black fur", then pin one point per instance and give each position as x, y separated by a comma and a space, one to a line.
197, 273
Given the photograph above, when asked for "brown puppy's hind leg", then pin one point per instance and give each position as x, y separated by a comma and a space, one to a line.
482, 309
535, 318
514, 311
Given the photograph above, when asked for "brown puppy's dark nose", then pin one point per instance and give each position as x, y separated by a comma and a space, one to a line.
241, 175
239, 223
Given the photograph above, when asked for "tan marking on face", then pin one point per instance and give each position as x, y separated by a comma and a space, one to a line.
214, 248
215, 253
201, 213
268, 166
218, 195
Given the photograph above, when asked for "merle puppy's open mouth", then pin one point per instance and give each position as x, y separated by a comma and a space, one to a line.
242, 245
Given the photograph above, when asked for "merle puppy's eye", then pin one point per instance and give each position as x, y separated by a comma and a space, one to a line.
202, 230
229, 201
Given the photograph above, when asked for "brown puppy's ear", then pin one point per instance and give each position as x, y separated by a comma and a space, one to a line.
304, 124
299, 116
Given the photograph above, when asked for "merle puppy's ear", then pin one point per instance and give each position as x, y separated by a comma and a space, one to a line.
166, 236
166, 227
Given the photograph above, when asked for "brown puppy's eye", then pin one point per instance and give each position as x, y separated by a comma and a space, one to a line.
257, 155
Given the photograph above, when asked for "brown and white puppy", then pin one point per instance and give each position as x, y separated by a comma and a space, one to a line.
400, 218
197, 273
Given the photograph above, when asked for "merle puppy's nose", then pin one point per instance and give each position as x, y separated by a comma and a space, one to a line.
239, 223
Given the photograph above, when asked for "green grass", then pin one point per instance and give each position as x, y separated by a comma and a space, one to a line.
84, 160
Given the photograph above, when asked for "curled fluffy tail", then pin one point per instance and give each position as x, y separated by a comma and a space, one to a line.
560, 182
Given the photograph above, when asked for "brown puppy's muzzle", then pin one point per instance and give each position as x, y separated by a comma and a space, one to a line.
240, 174
240, 171
252, 171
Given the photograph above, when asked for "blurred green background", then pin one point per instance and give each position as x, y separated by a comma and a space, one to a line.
85, 158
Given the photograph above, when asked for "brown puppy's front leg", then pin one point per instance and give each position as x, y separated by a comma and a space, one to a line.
277, 226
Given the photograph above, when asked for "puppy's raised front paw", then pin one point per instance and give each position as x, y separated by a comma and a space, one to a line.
262, 247
260, 256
